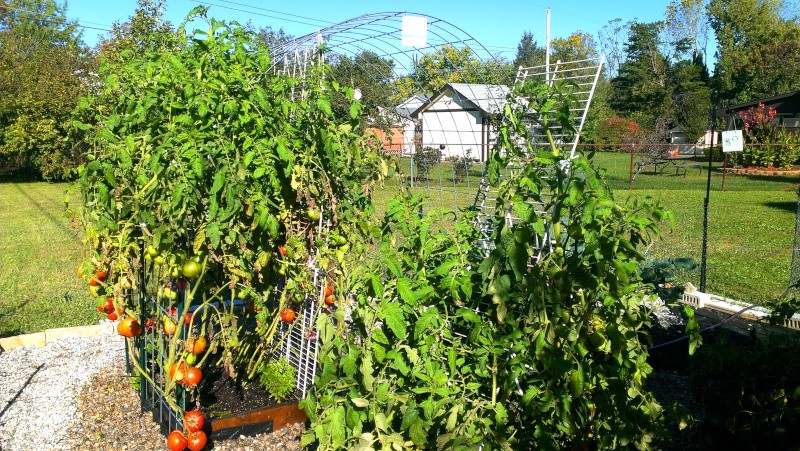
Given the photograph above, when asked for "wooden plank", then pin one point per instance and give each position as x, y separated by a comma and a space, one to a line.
280, 415
18, 341
79, 331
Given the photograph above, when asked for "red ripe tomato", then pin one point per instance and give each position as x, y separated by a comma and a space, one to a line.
187, 318
129, 327
177, 371
193, 420
98, 278
282, 250
197, 440
287, 315
192, 376
176, 441
112, 316
108, 305
330, 300
328, 290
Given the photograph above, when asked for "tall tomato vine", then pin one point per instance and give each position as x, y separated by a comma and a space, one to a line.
571, 323
200, 148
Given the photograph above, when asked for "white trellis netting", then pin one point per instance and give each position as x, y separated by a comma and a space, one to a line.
433, 96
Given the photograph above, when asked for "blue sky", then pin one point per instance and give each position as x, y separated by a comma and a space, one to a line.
497, 24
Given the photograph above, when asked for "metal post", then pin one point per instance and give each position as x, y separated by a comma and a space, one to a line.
630, 173
704, 259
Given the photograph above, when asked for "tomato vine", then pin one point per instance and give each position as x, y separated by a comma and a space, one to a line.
203, 161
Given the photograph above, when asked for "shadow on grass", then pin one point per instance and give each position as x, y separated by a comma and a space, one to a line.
56, 221
791, 207
4, 313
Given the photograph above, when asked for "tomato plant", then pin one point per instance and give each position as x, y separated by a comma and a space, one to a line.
169, 325
196, 345
129, 327
192, 376
199, 159
516, 348
177, 371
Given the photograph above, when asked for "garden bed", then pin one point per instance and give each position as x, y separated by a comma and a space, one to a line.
771, 171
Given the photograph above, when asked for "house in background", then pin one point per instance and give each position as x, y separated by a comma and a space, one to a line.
390, 131
404, 110
461, 116
787, 107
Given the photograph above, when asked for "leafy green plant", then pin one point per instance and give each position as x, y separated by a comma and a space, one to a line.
570, 323
426, 159
278, 378
462, 165
204, 162
444, 347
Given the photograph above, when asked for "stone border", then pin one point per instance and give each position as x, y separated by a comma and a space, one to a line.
40, 339
762, 172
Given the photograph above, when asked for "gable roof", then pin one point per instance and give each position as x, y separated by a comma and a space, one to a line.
409, 105
488, 99
787, 103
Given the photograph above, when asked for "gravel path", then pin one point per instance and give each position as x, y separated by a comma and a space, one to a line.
73, 394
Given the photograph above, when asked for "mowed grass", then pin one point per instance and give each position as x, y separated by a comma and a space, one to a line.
750, 236
39, 254
751, 224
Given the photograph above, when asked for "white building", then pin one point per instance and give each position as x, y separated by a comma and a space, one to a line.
405, 110
461, 116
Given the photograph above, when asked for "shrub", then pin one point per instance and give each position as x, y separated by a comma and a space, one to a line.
461, 165
426, 159
615, 132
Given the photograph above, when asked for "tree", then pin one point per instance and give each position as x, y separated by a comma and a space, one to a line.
686, 24
146, 29
371, 74
44, 68
758, 51
612, 38
692, 95
529, 53
577, 46
641, 90
451, 65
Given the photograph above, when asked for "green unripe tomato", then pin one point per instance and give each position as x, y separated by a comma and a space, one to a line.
191, 269
313, 214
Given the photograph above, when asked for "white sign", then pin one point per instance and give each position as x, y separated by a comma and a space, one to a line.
732, 141
415, 31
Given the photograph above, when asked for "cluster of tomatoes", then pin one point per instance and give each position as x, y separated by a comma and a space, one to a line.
106, 306
184, 372
192, 436
178, 264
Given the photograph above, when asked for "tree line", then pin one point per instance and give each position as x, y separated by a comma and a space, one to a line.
658, 75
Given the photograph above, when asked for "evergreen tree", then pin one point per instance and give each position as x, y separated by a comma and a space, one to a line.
641, 90
529, 53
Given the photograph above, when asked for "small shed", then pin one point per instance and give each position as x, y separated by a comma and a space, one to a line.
786, 105
460, 116
388, 128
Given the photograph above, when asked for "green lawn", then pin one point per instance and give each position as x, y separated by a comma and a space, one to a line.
751, 232
751, 225
39, 254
